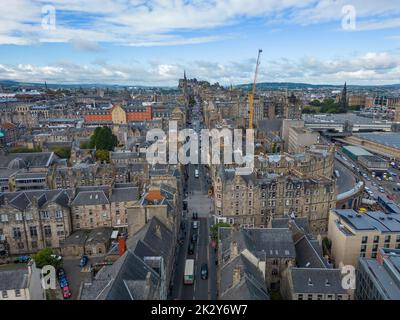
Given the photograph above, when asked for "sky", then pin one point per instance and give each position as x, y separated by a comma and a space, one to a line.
138, 42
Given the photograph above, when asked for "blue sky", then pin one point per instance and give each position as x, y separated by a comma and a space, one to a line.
151, 42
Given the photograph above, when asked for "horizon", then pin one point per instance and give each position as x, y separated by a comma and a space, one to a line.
137, 44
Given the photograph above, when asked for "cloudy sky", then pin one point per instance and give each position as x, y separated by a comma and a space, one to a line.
138, 42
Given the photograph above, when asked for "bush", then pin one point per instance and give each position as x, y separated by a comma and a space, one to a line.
43, 258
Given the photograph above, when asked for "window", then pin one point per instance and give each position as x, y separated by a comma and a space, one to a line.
47, 231
4, 218
17, 292
398, 238
363, 248
59, 214
309, 297
45, 215
17, 233
319, 297
364, 239
4, 294
373, 255
387, 238
28, 216
18, 216
33, 232
376, 239
299, 297
375, 247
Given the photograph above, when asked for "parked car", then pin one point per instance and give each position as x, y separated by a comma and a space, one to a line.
191, 248
57, 257
381, 190
84, 260
194, 237
66, 292
60, 272
63, 281
204, 271
22, 259
195, 224
195, 216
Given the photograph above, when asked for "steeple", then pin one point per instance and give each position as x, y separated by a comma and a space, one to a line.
343, 99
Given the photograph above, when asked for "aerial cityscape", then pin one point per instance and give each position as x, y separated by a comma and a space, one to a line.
200, 150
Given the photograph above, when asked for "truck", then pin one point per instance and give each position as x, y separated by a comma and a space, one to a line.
188, 277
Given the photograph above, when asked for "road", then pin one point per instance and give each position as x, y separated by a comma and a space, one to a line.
372, 183
198, 201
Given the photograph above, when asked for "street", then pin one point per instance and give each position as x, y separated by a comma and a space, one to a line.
200, 202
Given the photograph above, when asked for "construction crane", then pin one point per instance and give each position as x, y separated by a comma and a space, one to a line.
253, 92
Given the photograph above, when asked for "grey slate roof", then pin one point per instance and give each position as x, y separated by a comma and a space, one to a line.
87, 198
123, 194
251, 286
23, 199
32, 160
125, 279
309, 254
325, 281
13, 279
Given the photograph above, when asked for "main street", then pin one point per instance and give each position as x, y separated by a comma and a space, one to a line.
200, 202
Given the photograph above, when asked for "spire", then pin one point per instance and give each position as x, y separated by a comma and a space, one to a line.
343, 100
184, 74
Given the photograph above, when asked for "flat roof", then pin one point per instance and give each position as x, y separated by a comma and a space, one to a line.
371, 220
358, 151
390, 139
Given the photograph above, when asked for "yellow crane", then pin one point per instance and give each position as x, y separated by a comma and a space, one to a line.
253, 91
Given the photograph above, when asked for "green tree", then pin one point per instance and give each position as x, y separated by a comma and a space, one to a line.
43, 258
214, 229
103, 155
103, 139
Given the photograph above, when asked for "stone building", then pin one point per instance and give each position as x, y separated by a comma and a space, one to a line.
102, 206
33, 220
253, 200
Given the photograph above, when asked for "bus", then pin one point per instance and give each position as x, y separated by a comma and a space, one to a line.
188, 277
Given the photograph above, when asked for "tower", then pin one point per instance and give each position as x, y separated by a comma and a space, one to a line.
343, 99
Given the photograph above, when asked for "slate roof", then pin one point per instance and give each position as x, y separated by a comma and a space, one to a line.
126, 278
122, 194
88, 198
23, 199
309, 254
251, 285
315, 280
33, 159
13, 279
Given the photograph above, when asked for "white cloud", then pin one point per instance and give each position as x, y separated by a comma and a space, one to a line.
161, 22
370, 68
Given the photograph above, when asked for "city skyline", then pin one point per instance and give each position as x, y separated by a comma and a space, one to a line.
136, 43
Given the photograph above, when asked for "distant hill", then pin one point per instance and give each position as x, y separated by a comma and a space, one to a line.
11, 83
294, 86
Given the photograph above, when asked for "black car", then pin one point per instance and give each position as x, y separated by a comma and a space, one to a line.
194, 237
204, 271
60, 273
195, 216
191, 248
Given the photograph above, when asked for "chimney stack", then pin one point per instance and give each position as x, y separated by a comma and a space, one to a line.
236, 276
122, 246
234, 249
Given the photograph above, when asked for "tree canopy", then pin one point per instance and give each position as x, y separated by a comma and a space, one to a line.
214, 229
43, 258
103, 139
